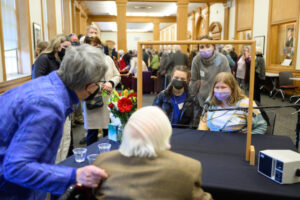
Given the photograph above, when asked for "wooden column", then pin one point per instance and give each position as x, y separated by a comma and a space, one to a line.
73, 11
226, 22
121, 24
194, 34
207, 19
182, 17
156, 35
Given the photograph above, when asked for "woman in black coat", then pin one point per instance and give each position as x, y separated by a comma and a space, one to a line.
50, 59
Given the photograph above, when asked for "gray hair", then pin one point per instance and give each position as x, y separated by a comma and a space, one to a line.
147, 131
91, 27
81, 66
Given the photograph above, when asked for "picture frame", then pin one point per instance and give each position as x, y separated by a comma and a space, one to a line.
37, 34
260, 42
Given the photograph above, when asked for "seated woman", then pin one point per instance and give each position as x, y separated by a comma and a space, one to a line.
177, 102
227, 94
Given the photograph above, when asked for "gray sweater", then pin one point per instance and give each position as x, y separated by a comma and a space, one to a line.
203, 73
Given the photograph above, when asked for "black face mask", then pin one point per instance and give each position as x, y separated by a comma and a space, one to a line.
177, 84
75, 43
92, 95
61, 53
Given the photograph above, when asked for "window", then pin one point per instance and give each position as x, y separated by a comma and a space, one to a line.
44, 4
17, 48
10, 36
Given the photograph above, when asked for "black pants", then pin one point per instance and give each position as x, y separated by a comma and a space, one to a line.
92, 135
257, 84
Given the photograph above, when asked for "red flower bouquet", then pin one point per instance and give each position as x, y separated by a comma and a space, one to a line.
122, 105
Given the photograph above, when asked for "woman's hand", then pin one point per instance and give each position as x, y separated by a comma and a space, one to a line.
107, 87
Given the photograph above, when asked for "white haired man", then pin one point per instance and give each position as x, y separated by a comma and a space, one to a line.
144, 168
31, 124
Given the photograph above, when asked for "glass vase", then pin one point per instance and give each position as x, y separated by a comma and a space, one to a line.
120, 133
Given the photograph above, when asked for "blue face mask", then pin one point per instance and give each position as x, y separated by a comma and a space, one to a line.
222, 96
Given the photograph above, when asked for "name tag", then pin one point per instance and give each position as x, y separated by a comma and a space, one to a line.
180, 106
202, 73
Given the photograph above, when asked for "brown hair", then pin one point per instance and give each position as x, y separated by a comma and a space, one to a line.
236, 92
182, 68
92, 39
41, 46
208, 38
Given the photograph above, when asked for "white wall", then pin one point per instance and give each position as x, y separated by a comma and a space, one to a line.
190, 24
58, 16
231, 21
109, 36
260, 21
35, 17
134, 37
216, 14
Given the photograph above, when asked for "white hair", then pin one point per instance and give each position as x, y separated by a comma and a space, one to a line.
121, 52
146, 131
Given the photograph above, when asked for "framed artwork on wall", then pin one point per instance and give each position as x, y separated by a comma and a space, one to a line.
260, 42
37, 34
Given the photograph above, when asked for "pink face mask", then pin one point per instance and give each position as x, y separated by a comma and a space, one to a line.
222, 96
206, 53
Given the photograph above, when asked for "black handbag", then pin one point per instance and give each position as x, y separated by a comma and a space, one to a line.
96, 102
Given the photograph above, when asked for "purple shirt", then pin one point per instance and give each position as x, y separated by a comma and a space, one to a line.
31, 124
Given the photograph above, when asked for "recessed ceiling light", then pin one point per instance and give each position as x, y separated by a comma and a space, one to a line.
142, 7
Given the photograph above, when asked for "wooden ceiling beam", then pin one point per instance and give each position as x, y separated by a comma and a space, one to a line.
191, 1
132, 19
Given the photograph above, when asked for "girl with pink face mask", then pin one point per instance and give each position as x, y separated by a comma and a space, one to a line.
226, 93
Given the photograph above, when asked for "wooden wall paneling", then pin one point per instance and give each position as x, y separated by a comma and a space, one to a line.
281, 14
207, 18
83, 21
6, 85
287, 10
2, 47
66, 21
51, 19
244, 14
226, 22
274, 44
77, 21
42, 14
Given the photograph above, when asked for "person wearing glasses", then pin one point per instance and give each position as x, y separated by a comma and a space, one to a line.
205, 66
30, 133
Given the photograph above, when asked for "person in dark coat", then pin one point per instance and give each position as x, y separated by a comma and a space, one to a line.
50, 59
260, 73
177, 102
